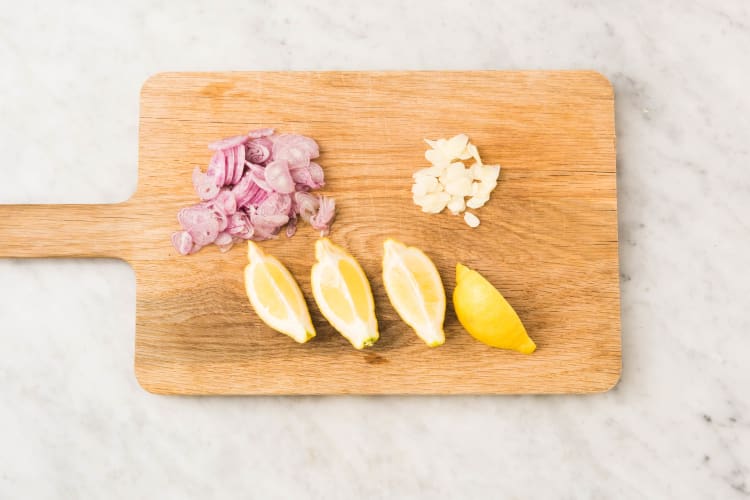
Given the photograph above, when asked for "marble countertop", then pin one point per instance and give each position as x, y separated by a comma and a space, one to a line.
75, 424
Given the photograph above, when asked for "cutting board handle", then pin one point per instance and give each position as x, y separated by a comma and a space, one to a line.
64, 231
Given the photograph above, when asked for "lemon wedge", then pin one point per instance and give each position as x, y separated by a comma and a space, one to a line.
275, 296
415, 290
343, 294
486, 315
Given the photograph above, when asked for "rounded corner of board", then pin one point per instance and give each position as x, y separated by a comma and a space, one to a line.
608, 383
601, 80
143, 381
152, 80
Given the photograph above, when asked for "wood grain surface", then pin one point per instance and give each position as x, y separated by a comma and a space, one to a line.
548, 237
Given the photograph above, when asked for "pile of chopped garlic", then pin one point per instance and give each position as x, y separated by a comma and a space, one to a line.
448, 181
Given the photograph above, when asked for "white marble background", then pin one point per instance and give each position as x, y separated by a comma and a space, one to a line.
75, 424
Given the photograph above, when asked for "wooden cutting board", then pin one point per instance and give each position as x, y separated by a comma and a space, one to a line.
548, 237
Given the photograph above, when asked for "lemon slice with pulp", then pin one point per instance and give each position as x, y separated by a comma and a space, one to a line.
275, 296
343, 294
415, 290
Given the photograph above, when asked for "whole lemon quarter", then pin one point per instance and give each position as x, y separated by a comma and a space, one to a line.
486, 315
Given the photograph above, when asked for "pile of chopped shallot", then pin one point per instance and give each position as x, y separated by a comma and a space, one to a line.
255, 185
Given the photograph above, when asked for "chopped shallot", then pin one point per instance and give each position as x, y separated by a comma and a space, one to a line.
255, 184
228, 143
278, 177
259, 150
323, 219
